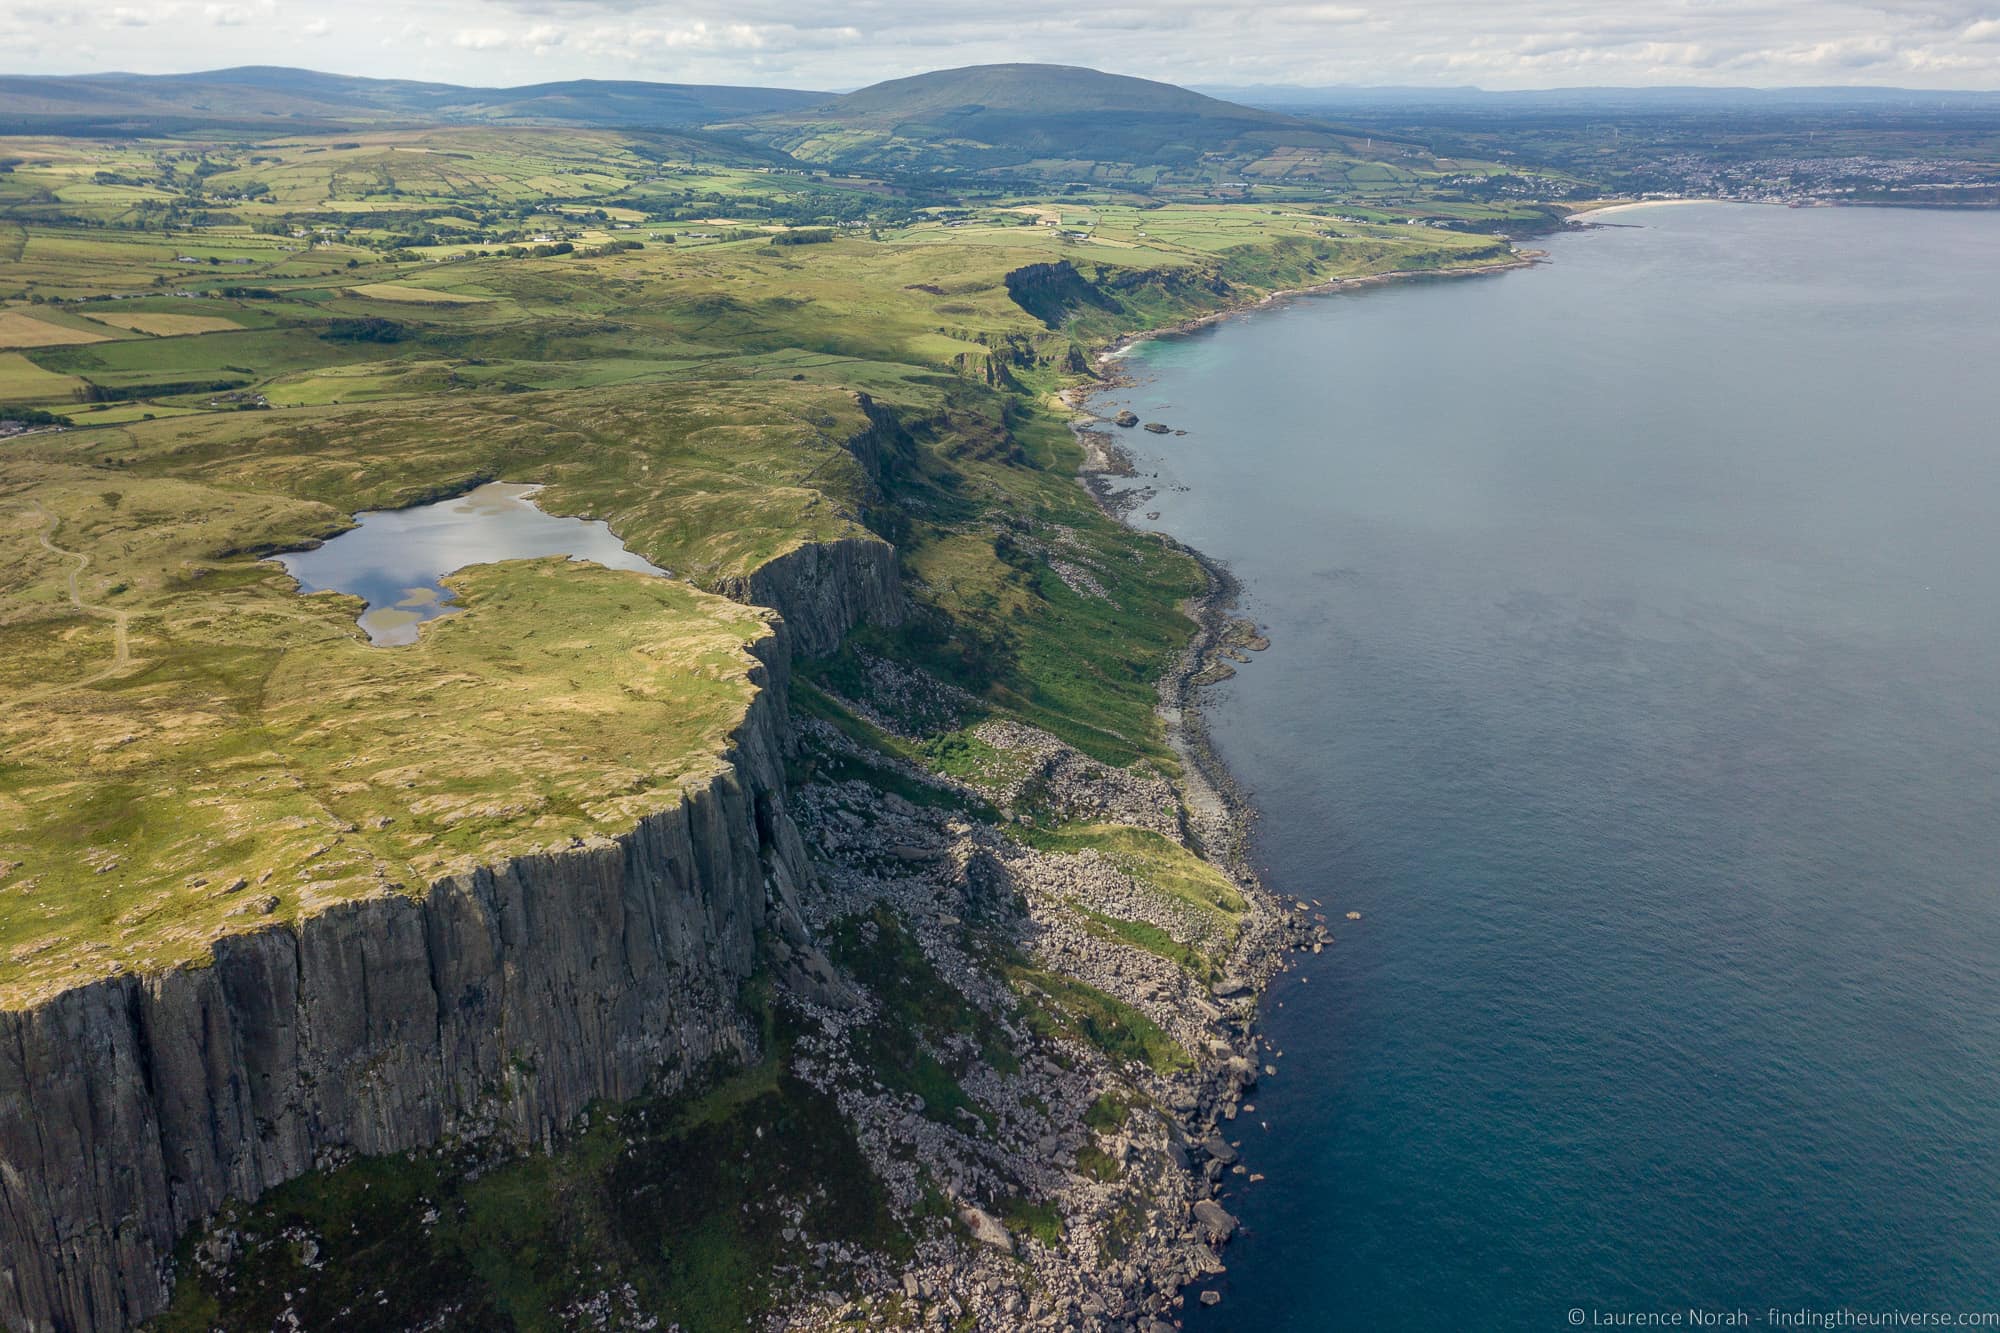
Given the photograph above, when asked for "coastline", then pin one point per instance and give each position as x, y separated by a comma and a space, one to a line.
1354, 1211
1216, 806
1633, 205
1216, 800
1124, 342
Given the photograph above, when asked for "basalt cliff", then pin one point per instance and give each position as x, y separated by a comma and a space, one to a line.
499, 1002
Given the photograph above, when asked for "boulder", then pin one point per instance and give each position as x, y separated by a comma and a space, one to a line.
986, 1228
1215, 1220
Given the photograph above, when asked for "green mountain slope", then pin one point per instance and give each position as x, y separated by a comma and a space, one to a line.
262, 95
1054, 120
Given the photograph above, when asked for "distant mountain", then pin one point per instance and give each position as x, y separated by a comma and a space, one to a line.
260, 95
1055, 120
974, 95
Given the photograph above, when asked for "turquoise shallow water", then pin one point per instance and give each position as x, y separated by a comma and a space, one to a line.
1637, 675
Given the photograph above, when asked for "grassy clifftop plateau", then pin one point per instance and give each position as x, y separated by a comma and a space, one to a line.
258, 378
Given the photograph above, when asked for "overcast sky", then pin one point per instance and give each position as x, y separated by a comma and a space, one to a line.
1492, 43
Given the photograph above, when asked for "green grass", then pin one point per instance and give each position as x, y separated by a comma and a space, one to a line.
272, 764
25, 383
1060, 1005
1153, 939
1149, 857
1106, 1115
810, 701
1098, 1164
1026, 1217
920, 1011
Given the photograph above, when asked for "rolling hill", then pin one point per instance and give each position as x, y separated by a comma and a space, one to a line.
1055, 120
259, 95
1046, 122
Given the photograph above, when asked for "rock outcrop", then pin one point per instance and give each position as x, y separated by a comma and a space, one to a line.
1054, 292
497, 1002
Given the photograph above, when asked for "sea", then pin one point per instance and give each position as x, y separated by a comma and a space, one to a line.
1636, 678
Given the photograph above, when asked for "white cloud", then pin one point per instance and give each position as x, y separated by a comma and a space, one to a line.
1840, 53
1499, 43
1316, 14
50, 16
234, 16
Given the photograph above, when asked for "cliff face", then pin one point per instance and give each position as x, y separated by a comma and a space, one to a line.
498, 1001
824, 589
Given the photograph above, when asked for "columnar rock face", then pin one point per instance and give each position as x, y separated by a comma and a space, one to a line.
498, 1001
824, 589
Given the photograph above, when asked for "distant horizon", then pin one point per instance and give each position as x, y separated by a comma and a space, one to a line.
1493, 45
1212, 89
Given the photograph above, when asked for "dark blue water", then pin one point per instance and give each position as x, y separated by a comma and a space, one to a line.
395, 559
1637, 675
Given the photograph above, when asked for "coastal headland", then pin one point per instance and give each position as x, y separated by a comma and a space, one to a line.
854, 926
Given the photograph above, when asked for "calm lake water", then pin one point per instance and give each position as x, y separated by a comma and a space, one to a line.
396, 558
1637, 675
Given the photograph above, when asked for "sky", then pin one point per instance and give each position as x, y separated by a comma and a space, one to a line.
836, 46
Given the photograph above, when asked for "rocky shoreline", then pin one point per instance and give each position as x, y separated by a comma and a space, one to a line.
1170, 1153
1152, 1176
1141, 1186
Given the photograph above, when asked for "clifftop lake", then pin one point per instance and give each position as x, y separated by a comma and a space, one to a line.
1636, 624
